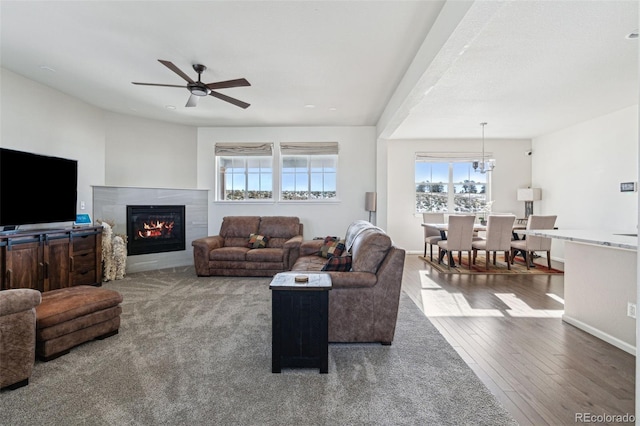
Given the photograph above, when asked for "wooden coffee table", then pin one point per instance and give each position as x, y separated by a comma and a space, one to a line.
300, 321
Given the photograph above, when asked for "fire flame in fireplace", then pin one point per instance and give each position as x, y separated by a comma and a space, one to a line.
155, 229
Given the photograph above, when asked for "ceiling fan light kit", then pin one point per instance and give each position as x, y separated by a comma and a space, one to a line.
199, 89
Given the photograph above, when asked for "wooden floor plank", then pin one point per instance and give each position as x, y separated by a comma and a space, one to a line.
508, 330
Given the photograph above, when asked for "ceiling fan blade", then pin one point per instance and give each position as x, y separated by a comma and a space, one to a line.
154, 84
193, 101
229, 83
229, 99
175, 69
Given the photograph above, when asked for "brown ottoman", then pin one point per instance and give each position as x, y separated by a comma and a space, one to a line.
70, 316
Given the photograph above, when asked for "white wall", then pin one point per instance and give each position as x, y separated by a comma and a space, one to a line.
513, 171
580, 169
111, 148
356, 175
38, 119
149, 153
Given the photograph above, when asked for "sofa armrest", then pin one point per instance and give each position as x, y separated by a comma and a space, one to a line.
291, 251
346, 280
307, 248
18, 300
201, 249
209, 243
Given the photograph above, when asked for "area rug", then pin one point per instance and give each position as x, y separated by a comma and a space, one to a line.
479, 268
197, 351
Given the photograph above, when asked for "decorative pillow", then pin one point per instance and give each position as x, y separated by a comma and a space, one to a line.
338, 263
257, 241
332, 246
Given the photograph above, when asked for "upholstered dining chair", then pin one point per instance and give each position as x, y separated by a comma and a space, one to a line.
459, 237
498, 238
531, 243
431, 235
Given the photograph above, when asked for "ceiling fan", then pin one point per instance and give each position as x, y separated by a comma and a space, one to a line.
199, 89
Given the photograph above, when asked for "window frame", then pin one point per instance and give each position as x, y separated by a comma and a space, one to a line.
309, 152
245, 153
450, 185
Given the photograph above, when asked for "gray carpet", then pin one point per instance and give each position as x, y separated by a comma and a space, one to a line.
197, 351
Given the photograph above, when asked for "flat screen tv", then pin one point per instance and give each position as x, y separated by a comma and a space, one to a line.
36, 189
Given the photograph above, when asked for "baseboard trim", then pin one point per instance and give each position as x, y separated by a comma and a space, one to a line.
600, 334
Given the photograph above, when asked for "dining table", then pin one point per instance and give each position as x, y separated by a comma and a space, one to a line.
477, 227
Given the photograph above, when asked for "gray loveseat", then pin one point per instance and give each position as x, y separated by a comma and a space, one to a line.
363, 303
229, 253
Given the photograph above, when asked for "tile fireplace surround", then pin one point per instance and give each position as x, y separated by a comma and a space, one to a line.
110, 204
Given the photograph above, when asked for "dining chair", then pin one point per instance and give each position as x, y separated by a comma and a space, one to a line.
531, 243
498, 238
431, 235
459, 238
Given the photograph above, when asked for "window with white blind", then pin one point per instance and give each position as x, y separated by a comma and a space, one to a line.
308, 171
245, 171
449, 183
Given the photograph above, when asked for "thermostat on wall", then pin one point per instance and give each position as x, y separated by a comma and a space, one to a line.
628, 187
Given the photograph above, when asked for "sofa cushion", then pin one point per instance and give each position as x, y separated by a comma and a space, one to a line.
338, 263
229, 253
257, 241
279, 226
264, 255
279, 229
369, 249
309, 263
332, 246
239, 227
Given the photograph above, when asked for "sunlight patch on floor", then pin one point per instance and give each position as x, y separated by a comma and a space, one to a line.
556, 297
438, 302
426, 282
518, 308
441, 303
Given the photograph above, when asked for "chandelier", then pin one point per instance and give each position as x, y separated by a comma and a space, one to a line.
485, 165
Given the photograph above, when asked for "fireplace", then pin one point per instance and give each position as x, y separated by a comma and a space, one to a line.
155, 229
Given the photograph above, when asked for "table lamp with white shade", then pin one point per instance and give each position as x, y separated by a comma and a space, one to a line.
529, 195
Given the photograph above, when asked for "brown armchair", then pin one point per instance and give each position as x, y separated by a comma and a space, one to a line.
17, 336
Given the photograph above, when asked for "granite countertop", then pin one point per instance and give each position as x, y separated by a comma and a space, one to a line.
614, 239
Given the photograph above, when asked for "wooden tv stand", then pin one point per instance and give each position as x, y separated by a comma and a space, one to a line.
50, 259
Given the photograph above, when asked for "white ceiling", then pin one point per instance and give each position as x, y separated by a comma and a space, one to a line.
528, 67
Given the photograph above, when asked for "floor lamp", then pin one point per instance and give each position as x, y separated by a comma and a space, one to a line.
529, 195
370, 203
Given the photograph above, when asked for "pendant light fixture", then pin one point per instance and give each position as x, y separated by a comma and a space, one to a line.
485, 165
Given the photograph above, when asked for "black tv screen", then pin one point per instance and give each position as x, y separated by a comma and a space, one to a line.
36, 188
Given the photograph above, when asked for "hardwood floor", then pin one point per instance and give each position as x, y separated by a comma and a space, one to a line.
509, 330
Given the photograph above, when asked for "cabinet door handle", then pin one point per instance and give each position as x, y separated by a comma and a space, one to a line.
9, 279
46, 270
71, 267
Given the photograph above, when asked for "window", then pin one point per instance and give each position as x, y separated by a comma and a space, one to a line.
432, 187
245, 171
449, 185
309, 171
